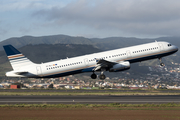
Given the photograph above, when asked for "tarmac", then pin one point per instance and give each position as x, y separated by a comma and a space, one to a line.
90, 99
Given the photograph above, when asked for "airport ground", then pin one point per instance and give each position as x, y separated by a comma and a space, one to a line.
91, 112
87, 104
86, 92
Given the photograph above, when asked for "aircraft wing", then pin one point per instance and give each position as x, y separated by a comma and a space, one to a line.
103, 64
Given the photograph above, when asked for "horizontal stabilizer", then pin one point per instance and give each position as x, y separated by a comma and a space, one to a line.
21, 72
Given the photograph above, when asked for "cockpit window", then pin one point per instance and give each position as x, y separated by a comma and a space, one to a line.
169, 45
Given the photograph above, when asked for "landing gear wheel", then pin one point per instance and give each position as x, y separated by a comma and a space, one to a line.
162, 64
102, 77
93, 76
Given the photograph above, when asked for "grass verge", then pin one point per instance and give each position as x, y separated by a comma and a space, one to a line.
111, 105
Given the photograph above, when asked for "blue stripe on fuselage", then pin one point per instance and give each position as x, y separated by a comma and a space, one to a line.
70, 73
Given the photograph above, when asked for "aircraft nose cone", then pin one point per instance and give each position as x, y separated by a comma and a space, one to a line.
176, 48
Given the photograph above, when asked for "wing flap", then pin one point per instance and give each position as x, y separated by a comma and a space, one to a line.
103, 64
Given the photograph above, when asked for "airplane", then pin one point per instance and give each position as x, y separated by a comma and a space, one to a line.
112, 61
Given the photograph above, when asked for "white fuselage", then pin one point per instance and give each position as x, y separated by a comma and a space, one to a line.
86, 63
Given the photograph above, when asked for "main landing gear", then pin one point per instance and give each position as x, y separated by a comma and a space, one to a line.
161, 63
101, 76
93, 76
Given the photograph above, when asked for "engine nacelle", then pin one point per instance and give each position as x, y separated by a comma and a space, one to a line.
125, 65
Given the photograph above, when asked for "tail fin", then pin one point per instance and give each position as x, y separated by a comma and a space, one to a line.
16, 58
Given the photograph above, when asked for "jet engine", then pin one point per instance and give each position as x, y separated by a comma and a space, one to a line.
125, 65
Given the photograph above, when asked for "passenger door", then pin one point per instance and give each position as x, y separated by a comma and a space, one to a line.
86, 61
160, 46
128, 53
38, 68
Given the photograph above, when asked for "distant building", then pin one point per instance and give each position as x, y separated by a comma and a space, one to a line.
69, 87
156, 86
15, 86
77, 87
1, 86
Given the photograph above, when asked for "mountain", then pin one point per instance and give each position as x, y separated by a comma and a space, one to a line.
120, 42
101, 43
48, 52
55, 39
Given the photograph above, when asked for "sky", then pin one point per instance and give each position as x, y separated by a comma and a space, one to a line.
90, 18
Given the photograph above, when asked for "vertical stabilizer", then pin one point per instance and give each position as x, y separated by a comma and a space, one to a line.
16, 58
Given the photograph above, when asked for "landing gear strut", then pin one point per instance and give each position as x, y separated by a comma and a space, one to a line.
93, 76
161, 63
102, 76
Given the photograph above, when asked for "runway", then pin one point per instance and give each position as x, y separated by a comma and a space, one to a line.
88, 99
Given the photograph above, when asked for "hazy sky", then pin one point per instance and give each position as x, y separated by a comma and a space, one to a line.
90, 18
